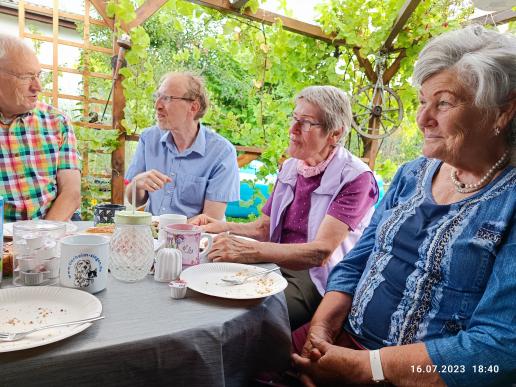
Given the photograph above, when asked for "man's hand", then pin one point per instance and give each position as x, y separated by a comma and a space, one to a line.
151, 181
335, 365
209, 224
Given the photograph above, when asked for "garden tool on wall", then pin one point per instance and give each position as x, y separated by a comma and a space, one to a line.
124, 44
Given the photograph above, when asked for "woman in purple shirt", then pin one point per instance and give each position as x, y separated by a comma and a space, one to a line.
321, 203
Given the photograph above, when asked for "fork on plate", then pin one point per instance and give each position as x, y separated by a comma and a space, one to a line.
240, 281
4, 336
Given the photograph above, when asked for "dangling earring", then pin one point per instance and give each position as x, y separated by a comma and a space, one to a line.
497, 131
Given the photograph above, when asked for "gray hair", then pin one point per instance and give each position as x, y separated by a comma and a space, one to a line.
484, 60
10, 44
196, 89
333, 103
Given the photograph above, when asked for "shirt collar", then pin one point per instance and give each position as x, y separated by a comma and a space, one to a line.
23, 115
330, 180
198, 146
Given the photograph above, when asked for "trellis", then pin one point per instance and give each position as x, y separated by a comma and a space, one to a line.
247, 154
57, 17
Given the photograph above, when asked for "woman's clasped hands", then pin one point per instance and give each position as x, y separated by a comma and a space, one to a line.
322, 363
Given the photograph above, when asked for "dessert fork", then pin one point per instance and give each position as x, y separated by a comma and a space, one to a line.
240, 281
4, 336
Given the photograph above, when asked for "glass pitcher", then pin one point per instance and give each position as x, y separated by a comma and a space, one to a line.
132, 246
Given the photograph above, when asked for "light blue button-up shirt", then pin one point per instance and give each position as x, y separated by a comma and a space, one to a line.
207, 170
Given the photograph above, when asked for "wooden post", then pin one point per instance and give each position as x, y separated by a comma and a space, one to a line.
55, 52
21, 18
118, 156
86, 57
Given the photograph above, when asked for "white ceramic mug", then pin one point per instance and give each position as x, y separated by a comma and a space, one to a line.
165, 220
84, 262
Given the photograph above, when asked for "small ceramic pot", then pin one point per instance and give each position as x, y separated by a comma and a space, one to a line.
177, 289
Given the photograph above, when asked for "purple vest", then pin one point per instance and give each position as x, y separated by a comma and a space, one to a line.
342, 169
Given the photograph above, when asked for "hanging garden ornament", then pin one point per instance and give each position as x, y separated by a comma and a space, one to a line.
377, 109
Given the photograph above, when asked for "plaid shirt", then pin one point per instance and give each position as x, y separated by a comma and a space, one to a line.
35, 147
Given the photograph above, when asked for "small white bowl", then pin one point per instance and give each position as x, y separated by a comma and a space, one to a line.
177, 289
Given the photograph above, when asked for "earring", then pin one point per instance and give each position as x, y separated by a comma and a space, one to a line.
497, 131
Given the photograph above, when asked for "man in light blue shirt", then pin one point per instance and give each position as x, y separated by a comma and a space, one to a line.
181, 166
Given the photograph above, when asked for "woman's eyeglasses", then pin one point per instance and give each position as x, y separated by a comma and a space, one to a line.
304, 125
169, 98
24, 78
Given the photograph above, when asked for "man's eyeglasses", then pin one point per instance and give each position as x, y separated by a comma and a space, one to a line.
24, 78
304, 125
169, 98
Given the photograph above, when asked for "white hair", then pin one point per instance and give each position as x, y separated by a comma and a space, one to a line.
333, 103
12, 44
484, 60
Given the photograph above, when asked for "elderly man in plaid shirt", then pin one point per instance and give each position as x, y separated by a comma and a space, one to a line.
39, 163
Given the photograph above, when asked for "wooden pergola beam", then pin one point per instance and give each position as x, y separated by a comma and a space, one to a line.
403, 16
238, 4
146, 11
100, 6
267, 17
495, 18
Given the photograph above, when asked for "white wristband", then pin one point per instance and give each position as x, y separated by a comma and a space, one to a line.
376, 366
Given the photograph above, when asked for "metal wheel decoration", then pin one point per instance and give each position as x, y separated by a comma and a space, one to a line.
377, 109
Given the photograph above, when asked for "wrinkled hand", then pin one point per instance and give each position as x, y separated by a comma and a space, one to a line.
228, 248
152, 180
320, 332
209, 224
335, 365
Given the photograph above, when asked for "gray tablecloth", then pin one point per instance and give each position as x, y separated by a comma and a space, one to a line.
149, 339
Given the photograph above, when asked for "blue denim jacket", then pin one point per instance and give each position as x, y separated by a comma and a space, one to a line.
460, 297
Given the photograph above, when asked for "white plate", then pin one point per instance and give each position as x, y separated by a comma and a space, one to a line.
8, 228
207, 278
25, 308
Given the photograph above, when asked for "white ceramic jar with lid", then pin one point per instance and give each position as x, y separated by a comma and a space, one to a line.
131, 246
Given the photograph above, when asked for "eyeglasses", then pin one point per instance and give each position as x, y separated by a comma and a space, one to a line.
169, 98
304, 125
25, 78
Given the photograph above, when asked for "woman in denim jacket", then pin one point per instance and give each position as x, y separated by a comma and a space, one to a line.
430, 288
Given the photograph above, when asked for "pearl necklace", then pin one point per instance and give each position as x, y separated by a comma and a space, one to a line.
467, 188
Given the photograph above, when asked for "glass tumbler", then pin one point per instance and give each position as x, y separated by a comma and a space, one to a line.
131, 246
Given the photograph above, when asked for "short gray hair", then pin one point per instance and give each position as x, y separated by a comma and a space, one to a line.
484, 60
196, 89
10, 44
334, 105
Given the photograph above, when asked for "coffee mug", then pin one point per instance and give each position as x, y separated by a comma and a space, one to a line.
165, 220
84, 262
187, 239
105, 213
